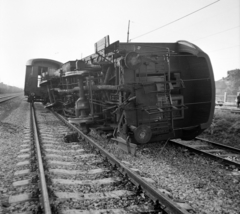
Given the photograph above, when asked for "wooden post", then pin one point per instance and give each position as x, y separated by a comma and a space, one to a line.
128, 31
225, 97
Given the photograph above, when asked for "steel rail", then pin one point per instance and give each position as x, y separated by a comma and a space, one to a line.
4, 100
2, 97
9, 95
137, 180
230, 109
217, 158
235, 111
45, 196
219, 145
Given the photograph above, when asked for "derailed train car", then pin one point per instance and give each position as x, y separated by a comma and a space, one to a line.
136, 92
36, 69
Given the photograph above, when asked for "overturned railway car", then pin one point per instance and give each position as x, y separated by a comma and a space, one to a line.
36, 69
136, 92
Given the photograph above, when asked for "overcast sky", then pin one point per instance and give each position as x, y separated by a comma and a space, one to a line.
65, 30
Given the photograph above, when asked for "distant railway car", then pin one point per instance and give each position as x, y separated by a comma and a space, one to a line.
35, 68
136, 92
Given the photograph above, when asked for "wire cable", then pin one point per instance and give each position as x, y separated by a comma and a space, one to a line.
175, 20
216, 33
224, 48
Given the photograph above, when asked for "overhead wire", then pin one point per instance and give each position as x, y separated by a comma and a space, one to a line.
174, 20
217, 33
224, 48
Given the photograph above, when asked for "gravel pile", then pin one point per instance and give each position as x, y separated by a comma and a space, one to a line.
13, 118
202, 185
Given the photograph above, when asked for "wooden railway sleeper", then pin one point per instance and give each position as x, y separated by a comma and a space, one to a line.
148, 189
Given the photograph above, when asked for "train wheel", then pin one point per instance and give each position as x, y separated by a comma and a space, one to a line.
143, 134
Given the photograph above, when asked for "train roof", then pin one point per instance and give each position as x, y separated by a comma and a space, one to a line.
42, 60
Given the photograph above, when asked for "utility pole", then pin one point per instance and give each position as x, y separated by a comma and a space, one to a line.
128, 31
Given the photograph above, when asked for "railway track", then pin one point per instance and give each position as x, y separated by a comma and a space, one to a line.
223, 154
235, 111
232, 109
78, 177
5, 98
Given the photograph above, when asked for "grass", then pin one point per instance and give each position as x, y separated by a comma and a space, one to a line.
225, 129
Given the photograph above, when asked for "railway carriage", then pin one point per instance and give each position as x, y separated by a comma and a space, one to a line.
35, 70
136, 92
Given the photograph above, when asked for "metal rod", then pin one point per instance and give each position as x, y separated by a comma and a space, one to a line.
187, 80
45, 197
196, 103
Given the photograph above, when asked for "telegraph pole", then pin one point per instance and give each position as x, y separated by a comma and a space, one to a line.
128, 31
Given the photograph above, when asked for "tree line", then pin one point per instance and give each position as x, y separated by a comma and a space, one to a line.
231, 83
6, 89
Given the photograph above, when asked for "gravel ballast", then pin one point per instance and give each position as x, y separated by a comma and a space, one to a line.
206, 186
13, 120
199, 184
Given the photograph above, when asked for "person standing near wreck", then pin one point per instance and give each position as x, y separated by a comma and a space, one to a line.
238, 100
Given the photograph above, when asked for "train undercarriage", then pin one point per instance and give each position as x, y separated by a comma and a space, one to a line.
136, 92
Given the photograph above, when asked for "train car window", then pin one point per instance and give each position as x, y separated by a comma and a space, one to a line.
178, 113
42, 69
175, 77
51, 71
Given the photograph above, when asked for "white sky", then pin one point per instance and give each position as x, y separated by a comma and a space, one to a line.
64, 30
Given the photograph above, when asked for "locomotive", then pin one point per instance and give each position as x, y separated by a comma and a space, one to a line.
134, 92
